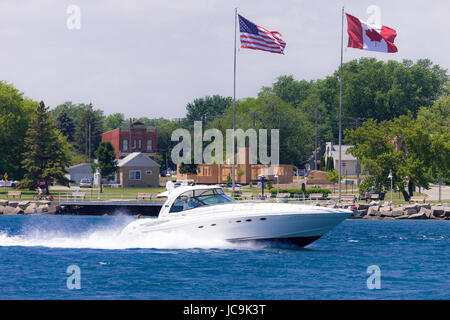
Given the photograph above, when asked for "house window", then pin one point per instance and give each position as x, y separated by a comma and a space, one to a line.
140, 144
134, 145
135, 174
125, 145
149, 145
148, 172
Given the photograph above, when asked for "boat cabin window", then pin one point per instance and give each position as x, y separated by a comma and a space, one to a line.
199, 198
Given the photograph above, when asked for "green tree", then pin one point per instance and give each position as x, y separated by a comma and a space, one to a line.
88, 134
229, 181
186, 168
65, 125
164, 129
114, 121
45, 158
106, 161
15, 114
295, 131
413, 149
322, 164
240, 172
209, 107
330, 163
73, 111
333, 176
380, 90
292, 91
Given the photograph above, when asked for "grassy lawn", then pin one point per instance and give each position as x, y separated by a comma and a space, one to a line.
130, 193
61, 193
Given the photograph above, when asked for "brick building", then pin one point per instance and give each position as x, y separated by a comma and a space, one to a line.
138, 138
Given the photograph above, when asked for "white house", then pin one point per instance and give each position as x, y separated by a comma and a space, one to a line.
78, 172
350, 166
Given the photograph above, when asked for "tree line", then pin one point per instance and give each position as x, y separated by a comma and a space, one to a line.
376, 95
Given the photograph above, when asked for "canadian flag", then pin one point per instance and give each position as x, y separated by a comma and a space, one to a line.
362, 35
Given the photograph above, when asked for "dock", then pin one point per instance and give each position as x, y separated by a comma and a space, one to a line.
99, 208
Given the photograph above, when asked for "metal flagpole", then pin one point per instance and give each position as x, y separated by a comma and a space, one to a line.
340, 104
234, 98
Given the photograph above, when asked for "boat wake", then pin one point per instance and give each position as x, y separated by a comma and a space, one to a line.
111, 238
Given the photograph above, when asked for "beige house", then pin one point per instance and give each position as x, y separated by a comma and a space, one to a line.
245, 172
137, 170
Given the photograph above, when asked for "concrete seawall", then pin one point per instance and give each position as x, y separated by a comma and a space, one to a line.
80, 208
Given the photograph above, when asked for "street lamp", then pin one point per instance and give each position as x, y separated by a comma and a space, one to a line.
278, 185
390, 177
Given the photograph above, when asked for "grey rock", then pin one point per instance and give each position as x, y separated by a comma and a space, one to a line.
424, 205
437, 211
409, 211
43, 208
447, 212
3, 202
23, 203
411, 206
373, 211
12, 210
2, 208
420, 215
363, 212
402, 217
386, 211
397, 212
426, 211
13, 204
32, 208
363, 206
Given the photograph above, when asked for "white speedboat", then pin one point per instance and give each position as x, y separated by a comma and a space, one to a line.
205, 211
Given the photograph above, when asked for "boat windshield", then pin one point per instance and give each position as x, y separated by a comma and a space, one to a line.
199, 198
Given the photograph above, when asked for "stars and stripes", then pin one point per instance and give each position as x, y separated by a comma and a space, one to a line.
259, 38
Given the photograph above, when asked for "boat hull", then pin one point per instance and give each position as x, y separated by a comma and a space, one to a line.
296, 241
298, 228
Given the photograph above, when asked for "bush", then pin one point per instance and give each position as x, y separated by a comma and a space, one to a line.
366, 184
295, 191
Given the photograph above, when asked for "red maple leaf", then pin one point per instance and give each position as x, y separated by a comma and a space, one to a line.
373, 35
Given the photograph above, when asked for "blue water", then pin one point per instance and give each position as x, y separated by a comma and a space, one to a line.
35, 252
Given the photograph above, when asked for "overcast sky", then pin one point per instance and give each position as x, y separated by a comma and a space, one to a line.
150, 58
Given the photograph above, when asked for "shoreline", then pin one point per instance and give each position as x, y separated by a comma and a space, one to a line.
371, 211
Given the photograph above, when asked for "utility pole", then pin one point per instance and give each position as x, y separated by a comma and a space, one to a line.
86, 138
129, 144
254, 113
167, 165
89, 141
315, 139
356, 119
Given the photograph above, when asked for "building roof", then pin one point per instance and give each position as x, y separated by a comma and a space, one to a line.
79, 165
137, 159
344, 155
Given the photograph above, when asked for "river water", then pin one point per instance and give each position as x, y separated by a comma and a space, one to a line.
86, 257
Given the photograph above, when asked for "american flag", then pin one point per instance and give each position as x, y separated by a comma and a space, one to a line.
259, 38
